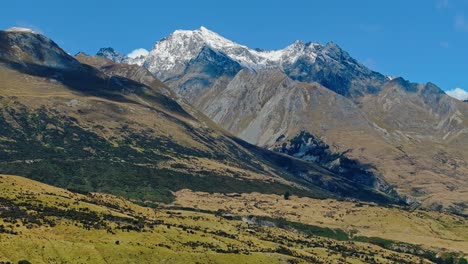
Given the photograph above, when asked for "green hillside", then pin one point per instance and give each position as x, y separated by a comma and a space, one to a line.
44, 224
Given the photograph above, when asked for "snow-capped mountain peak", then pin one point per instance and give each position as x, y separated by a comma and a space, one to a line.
170, 55
208, 37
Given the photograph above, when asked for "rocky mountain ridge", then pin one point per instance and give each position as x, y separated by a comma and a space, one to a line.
115, 56
300, 61
399, 128
98, 125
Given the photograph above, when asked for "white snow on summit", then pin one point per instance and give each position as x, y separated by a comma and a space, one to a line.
173, 52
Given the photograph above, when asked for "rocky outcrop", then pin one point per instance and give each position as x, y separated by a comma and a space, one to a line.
308, 147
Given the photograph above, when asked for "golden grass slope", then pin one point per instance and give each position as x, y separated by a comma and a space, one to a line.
128, 233
440, 231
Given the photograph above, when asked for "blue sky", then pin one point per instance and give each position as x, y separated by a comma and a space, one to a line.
421, 40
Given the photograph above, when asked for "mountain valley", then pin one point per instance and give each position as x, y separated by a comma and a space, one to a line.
207, 151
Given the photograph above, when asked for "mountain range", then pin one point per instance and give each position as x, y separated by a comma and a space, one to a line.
130, 135
206, 150
317, 103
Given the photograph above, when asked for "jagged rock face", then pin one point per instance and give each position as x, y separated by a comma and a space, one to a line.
261, 106
111, 54
336, 70
308, 147
423, 110
201, 72
171, 55
328, 65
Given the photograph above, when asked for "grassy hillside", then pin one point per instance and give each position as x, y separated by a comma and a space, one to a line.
135, 150
439, 231
44, 224
74, 126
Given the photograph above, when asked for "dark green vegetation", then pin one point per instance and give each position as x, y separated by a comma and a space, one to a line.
341, 235
55, 149
445, 258
34, 214
336, 234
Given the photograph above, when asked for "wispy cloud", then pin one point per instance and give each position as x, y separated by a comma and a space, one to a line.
442, 4
137, 53
461, 23
458, 93
444, 44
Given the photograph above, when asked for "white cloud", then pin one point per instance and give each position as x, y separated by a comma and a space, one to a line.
458, 93
137, 53
461, 23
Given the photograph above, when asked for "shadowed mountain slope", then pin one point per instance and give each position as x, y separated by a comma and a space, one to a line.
73, 125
